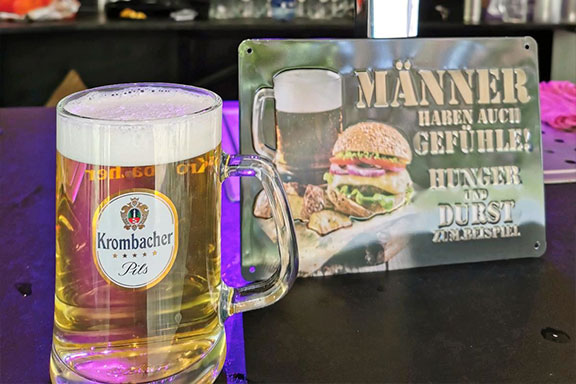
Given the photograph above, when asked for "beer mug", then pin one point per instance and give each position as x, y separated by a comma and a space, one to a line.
308, 114
139, 295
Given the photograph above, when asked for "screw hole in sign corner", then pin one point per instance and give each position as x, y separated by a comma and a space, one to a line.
527, 46
537, 245
249, 51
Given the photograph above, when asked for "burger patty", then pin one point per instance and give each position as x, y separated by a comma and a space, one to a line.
391, 182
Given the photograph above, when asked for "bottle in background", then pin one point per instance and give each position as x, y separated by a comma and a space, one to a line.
472, 11
283, 9
514, 11
547, 11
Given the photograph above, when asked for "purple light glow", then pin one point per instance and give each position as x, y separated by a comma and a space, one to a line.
235, 363
244, 172
109, 371
231, 261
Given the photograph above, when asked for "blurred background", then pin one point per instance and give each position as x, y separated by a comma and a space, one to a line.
50, 48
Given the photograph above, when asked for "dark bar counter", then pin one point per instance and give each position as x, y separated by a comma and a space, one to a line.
508, 321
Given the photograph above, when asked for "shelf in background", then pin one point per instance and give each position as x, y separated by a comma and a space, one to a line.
91, 22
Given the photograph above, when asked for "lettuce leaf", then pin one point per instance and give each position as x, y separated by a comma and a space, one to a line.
384, 200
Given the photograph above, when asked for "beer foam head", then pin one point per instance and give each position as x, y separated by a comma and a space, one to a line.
138, 103
131, 125
307, 91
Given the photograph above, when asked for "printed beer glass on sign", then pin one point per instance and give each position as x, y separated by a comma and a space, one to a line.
308, 117
139, 296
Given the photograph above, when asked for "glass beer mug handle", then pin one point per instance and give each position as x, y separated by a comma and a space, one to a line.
257, 117
262, 293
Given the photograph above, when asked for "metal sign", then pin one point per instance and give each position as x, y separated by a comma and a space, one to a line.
395, 153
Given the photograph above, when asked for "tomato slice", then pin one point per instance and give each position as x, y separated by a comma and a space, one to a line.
341, 161
385, 164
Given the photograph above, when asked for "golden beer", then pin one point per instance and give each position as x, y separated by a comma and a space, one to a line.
137, 335
139, 296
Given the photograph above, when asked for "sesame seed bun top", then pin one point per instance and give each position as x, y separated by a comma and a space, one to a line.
371, 136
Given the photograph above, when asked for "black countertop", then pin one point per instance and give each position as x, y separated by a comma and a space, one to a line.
509, 321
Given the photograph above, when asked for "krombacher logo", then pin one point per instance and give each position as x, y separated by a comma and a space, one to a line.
133, 242
142, 258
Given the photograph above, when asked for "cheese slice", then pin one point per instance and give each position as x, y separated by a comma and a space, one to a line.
391, 182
